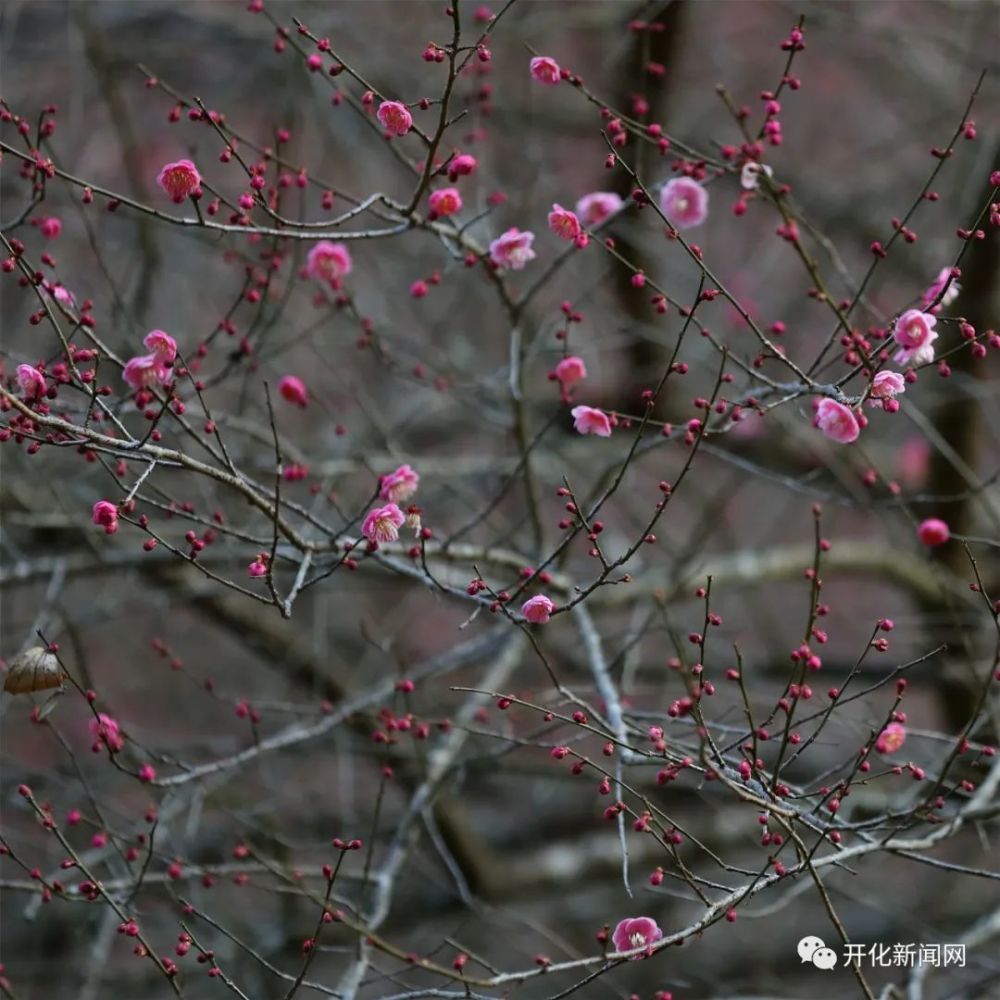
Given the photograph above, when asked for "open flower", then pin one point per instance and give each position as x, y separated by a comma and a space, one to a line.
836, 421
595, 207
891, 738
445, 202
399, 485
180, 180
512, 250
105, 513
328, 261
144, 371
162, 345
31, 382
382, 524
636, 932
394, 117
933, 532
915, 335
684, 202
293, 390
538, 609
750, 174
589, 420
545, 70
564, 223
885, 386
570, 370
943, 281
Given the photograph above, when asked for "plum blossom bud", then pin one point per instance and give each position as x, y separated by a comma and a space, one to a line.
382, 524
512, 250
545, 70
537, 609
595, 207
50, 227
180, 180
394, 117
400, 485
105, 514
31, 382
293, 390
684, 202
564, 223
461, 166
836, 421
933, 532
106, 731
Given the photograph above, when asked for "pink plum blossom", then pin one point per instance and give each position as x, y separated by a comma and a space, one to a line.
512, 250
588, 420
636, 932
293, 390
538, 609
461, 166
885, 386
105, 731
382, 524
933, 531
545, 70
60, 293
31, 382
258, 567
399, 485
328, 261
50, 227
684, 202
445, 202
891, 738
180, 180
144, 371
394, 117
162, 345
937, 286
570, 370
105, 514
595, 207
836, 421
915, 335
564, 223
